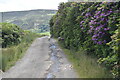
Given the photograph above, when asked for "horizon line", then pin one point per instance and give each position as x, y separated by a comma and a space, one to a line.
27, 10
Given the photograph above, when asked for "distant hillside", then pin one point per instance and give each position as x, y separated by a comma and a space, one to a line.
34, 20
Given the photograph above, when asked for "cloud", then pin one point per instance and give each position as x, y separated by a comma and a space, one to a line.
16, 5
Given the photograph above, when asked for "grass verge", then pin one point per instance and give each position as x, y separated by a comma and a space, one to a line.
86, 66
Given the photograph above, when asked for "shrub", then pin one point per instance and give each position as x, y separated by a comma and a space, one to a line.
11, 34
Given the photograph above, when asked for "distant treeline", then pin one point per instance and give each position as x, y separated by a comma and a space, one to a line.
92, 27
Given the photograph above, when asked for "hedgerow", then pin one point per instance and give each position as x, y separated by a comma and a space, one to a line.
91, 26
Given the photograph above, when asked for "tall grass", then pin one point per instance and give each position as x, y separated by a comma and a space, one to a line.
10, 55
86, 66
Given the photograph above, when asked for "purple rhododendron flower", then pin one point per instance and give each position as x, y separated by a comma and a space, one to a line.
102, 14
97, 28
99, 42
80, 25
103, 9
92, 21
88, 8
100, 32
103, 33
106, 29
102, 19
82, 28
104, 41
87, 14
96, 5
110, 11
97, 16
91, 26
82, 22
98, 12
98, 24
94, 39
94, 35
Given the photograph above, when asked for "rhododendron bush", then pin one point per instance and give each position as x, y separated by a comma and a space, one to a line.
92, 26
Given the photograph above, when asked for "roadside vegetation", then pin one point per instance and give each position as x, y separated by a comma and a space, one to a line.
86, 65
15, 42
90, 34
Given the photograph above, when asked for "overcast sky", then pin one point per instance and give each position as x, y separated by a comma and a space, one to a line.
18, 5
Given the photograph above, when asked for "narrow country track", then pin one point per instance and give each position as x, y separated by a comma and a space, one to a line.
43, 59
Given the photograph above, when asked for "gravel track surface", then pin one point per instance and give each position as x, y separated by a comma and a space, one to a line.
43, 59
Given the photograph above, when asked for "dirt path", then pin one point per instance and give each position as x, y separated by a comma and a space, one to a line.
44, 59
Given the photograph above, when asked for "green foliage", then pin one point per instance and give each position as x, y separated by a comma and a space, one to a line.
113, 58
11, 34
89, 26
